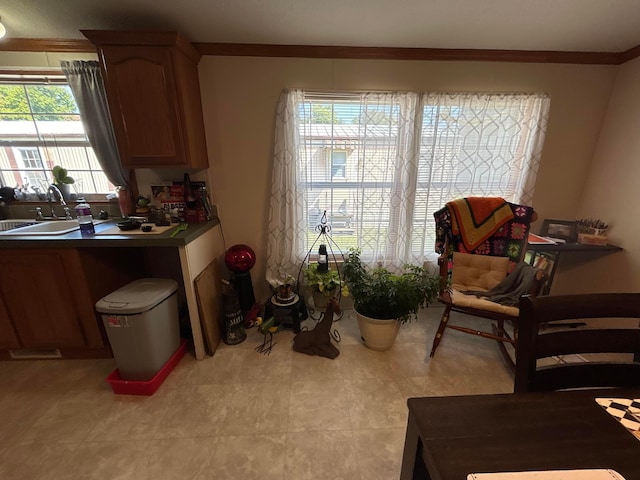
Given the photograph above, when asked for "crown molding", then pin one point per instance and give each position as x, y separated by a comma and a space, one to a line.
344, 52
393, 53
630, 54
46, 45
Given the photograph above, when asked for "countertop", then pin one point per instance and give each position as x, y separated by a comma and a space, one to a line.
75, 240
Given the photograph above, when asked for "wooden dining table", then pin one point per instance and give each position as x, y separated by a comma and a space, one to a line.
448, 438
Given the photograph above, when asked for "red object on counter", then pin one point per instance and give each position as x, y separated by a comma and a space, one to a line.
149, 387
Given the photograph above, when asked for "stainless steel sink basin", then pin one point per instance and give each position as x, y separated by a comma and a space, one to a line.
57, 227
15, 223
54, 227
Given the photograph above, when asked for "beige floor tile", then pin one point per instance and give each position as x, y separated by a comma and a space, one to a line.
408, 360
71, 417
475, 385
376, 403
20, 410
223, 367
419, 331
379, 452
319, 405
429, 386
314, 367
274, 367
257, 408
321, 456
131, 417
358, 361
95, 460
23, 461
195, 410
249, 457
169, 459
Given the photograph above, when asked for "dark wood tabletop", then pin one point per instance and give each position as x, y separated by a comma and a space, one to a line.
450, 437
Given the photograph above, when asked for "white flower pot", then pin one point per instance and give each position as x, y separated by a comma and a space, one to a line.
377, 334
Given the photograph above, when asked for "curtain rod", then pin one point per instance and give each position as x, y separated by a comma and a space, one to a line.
32, 76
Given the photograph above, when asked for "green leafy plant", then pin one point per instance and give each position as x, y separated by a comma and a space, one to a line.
377, 293
324, 282
61, 176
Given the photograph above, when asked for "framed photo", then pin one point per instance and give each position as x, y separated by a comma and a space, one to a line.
560, 229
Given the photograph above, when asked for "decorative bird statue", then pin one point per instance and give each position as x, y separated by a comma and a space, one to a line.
267, 328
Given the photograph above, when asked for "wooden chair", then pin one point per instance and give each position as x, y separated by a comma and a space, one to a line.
481, 269
539, 338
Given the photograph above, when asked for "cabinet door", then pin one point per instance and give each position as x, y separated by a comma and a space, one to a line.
8, 337
142, 92
39, 298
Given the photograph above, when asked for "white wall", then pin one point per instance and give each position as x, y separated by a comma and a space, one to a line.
612, 193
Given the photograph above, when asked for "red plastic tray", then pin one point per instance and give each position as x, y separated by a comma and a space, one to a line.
148, 387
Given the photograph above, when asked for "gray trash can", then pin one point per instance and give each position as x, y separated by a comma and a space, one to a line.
141, 320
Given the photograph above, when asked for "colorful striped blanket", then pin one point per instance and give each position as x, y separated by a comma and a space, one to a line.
476, 219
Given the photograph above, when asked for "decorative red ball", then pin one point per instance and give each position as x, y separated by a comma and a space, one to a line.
240, 258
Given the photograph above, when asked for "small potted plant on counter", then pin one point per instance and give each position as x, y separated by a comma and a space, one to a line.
383, 300
62, 180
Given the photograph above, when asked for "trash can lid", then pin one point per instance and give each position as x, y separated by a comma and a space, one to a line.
138, 296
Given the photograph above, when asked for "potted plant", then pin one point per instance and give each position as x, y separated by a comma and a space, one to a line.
284, 287
383, 301
324, 285
62, 180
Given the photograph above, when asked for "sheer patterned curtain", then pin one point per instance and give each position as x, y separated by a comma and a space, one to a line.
87, 85
476, 144
287, 228
380, 164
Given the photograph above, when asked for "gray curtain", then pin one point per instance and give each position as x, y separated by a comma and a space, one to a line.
87, 85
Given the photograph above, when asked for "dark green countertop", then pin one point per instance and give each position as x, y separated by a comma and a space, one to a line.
75, 240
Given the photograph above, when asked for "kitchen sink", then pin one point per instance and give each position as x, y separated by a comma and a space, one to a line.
15, 223
54, 227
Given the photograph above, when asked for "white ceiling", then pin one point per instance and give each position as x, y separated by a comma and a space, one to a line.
561, 25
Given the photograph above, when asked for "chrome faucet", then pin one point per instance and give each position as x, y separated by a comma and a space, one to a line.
57, 193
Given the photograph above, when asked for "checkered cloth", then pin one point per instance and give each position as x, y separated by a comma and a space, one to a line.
625, 410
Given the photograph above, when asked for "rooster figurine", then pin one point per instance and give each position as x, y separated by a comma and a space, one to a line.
267, 328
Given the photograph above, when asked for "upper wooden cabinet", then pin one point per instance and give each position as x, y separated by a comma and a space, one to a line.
152, 85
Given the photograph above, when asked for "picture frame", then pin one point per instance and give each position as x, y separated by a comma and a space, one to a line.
566, 230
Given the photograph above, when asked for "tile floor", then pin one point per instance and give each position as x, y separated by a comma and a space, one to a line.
240, 414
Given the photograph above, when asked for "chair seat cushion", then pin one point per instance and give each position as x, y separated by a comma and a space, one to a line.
478, 272
459, 299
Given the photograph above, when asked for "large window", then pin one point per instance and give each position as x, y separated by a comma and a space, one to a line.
40, 127
396, 158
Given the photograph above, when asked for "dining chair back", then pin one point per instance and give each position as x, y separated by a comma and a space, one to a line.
566, 350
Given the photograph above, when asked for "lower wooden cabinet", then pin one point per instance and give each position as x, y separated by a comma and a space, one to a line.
8, 337
48, 296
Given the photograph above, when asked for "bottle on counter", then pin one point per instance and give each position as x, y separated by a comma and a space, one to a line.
85, 219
